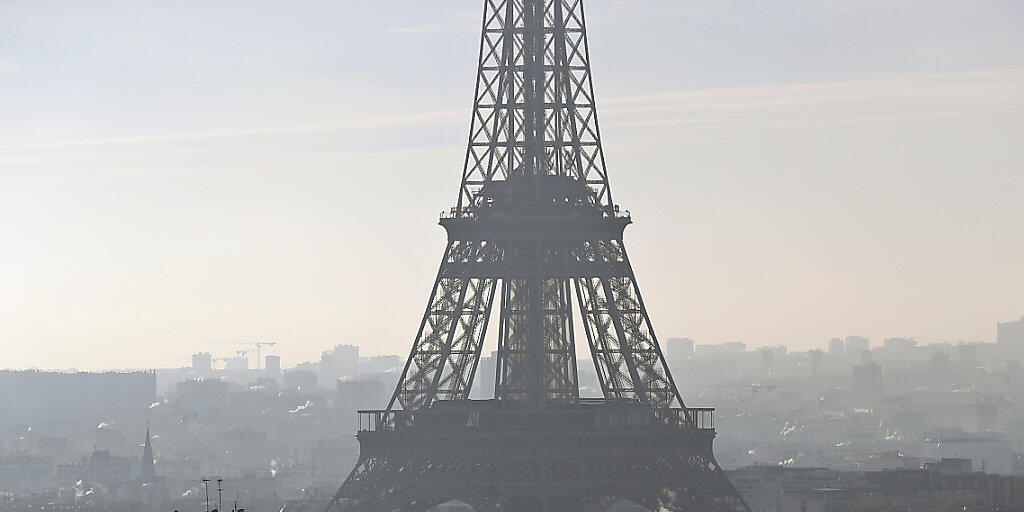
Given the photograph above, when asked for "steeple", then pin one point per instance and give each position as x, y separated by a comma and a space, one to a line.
148, 473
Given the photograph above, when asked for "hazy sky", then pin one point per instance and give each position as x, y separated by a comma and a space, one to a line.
177, 173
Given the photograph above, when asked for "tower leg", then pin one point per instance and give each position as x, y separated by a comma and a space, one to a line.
629, 360
446, 352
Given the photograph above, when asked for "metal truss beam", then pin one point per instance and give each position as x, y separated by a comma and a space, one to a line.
534, 108
535, 223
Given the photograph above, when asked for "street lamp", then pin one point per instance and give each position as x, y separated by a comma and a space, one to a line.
206, 484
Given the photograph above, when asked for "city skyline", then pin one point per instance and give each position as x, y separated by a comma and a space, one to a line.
226, 357
221, 223
158, 200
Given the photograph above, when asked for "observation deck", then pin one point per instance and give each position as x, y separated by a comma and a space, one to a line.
535, 206
562, 223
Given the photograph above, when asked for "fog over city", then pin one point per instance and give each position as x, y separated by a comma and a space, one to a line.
248, 261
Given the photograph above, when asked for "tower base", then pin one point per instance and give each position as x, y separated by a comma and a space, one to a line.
563, 458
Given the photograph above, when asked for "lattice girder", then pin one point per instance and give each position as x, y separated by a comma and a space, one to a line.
534, 109
537, 283
535, 225
447, 347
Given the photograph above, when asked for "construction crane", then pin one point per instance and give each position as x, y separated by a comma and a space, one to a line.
259, 349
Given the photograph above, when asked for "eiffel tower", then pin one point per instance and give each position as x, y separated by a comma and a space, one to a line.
536, 227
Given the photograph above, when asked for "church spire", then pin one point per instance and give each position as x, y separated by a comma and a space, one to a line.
148, 465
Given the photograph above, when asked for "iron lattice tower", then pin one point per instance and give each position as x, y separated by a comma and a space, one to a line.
535, 225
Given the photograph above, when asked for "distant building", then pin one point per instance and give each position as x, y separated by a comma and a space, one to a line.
1010, 337
855, 345
267, 384
890, 461
273, 367
239, 363
301, 380
377, 364
483, 384
328, 459
915, 490
947, 485
100, 467
244, 441
110, 439
950, 466
20, 471
767, 361
867, 377
728, 348
900, 346
340, 361
940, 363
988, 453
29, 395
356, 395
836, 346
679, 348
1012, 370
202, 397
816, 360
768, 487
202, 362
52, 447
967, 355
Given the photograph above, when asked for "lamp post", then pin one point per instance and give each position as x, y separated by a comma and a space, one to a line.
220, 495
206, 484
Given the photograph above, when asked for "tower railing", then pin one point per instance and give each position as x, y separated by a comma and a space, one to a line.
568, 420
471, 213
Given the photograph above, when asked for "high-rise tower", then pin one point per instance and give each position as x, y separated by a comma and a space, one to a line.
535, 229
